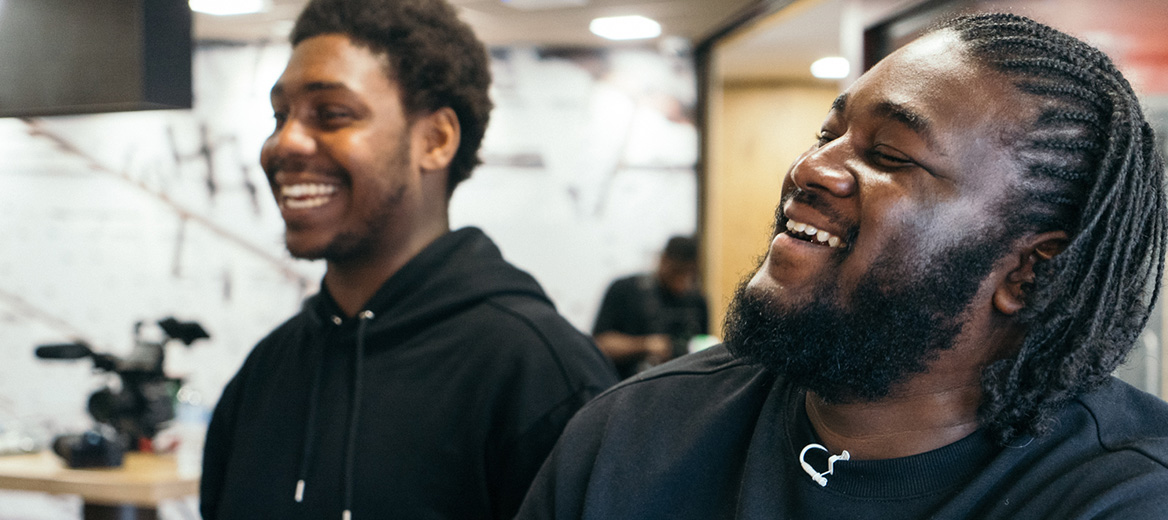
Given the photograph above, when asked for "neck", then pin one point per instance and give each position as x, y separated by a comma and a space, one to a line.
352, 282
905, 424
928, 411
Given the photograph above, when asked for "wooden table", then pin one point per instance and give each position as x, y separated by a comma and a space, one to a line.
131, 491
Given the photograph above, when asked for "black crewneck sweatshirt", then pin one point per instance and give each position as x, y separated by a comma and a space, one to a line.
709, 436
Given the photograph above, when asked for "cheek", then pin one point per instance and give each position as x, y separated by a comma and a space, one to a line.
912, 235
949, 225
354, 152
886, 225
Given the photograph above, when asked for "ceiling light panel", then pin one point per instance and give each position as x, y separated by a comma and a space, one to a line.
539, 5
833, 67
228, 7
634, 27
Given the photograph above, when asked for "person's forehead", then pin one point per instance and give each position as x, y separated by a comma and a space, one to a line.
933, 85
923, 72
331, 59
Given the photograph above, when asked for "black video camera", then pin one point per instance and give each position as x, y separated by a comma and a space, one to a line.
94, 448
145, 400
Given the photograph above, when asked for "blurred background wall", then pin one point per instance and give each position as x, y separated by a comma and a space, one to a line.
116, 218
595, 154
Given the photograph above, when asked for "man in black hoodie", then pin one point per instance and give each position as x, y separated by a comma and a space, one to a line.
429, 378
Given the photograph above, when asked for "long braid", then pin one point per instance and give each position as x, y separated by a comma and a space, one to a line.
1091, 169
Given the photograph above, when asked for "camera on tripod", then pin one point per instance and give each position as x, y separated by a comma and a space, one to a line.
136, 411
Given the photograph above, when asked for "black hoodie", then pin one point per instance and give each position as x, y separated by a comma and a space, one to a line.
464, 375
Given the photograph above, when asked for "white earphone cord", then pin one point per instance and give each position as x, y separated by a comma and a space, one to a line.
821, 478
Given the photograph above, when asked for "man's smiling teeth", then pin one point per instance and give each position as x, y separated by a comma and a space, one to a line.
814, 235
304, 196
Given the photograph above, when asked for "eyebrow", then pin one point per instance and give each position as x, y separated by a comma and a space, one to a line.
840, 102
913, 120
910, 118
315, 86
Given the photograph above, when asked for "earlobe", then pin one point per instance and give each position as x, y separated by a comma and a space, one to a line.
441, 135
1010, 296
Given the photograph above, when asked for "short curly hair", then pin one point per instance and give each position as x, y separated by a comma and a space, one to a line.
433, 56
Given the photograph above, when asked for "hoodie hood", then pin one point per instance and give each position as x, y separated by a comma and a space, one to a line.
459, 269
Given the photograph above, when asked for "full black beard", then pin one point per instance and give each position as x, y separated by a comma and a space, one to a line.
900, 317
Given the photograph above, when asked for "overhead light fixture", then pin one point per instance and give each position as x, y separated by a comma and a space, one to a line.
633, 27
542, 5
832, 67
228, 7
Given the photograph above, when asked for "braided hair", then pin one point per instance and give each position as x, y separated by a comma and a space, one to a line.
1090, 168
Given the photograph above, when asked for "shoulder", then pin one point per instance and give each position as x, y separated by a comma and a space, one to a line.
288, 335
707, 383
631, 284
293, 333
716, 362
696, 298
1107, 457
517, 336
283, 348
521, 318
1129, 419
654, 432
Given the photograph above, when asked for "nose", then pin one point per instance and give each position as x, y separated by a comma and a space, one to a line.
825, 170
291, 140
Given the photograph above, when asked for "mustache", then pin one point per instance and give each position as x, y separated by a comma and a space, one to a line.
277, 164
816, 202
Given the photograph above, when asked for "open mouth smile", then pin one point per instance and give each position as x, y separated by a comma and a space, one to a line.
809, 233
306, 195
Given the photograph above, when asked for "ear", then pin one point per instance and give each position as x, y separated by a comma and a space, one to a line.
440, 135
1010, 295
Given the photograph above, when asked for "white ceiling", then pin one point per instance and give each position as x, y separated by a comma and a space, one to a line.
782, 47
500, 23
775, 51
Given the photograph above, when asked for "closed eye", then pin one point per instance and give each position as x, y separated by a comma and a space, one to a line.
333, 116
280, 118
889, 158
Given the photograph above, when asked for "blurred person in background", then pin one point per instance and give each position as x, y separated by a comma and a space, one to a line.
650, 318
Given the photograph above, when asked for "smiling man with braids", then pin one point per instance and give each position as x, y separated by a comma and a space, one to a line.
959, 262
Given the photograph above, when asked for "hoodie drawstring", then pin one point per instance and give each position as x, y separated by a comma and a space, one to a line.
310, 430
354, 416
355, 412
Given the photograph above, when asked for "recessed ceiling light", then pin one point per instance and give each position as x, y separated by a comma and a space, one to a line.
228, 7
632, 27
539, 5
833, 67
